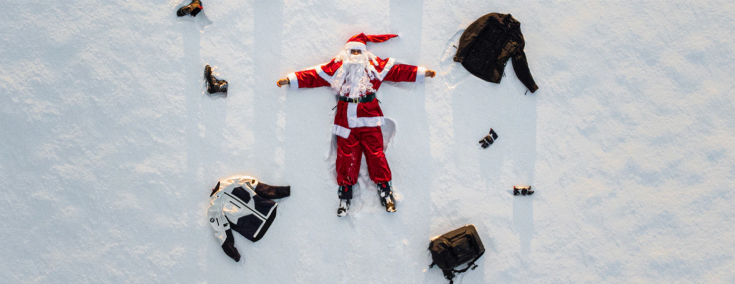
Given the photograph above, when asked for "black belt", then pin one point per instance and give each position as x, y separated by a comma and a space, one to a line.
366, 98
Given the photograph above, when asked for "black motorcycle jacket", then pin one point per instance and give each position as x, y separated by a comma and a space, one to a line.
243, 204
488, 43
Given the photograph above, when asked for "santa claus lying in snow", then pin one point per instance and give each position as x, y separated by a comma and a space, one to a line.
355, 75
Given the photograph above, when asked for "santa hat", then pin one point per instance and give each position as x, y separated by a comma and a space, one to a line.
360, 41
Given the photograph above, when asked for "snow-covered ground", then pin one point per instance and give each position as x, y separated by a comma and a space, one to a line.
109, 145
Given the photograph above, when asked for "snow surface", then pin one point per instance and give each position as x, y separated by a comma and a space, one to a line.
110, 145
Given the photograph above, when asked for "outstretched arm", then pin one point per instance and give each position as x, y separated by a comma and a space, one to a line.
312, 77
271, 192
407, 73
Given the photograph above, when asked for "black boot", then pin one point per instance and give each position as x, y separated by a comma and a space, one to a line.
386, 196
214, 85
344, 205
192, 9
345, 195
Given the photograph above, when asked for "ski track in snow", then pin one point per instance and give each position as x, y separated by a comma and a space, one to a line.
110, 145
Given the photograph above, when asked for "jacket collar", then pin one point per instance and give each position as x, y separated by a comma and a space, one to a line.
214, 190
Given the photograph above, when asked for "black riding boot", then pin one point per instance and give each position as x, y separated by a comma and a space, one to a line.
192, 9
345, 195
213, 84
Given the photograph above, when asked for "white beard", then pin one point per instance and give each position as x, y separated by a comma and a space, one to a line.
354, 76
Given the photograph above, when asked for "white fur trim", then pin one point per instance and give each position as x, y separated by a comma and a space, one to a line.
420, 74
293, 82
355, 45
323, 74
370, 121
386, 69
352, 115
341, 131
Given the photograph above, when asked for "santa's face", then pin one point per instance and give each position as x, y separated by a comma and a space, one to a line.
356, 57
353, 76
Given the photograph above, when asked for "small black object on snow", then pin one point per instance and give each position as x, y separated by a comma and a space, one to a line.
345, 195
522, 190
192, 9
489, 139
452, 249
386, 197
214, 85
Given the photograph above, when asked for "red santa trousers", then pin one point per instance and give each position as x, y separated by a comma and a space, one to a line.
367, 140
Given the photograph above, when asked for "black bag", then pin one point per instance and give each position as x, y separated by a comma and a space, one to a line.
455, 248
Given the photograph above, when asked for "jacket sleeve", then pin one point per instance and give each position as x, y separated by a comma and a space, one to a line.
222, 230
405, 73
520, 65
271, 192
312, 77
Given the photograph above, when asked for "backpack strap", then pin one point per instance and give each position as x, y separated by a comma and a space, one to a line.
449, 275
471, 264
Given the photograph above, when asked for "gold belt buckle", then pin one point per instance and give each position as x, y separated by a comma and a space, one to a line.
355, 100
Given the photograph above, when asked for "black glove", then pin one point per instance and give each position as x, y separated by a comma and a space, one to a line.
489, 139
486, 141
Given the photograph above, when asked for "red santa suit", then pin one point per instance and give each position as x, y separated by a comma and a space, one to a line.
357, 125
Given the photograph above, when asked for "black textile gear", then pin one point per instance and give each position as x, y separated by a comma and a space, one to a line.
214, 85
488, 43
192, 9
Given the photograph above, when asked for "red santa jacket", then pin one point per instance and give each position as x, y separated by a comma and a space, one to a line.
351, 115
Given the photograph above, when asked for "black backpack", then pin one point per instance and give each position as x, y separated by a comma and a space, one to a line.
455, 248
